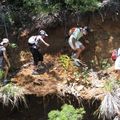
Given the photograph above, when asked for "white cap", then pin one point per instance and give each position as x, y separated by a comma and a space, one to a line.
42, 32
5, 40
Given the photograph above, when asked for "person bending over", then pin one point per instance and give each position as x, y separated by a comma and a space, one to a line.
75, 34
34, 43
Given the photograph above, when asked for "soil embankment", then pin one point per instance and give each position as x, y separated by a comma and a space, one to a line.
54, 79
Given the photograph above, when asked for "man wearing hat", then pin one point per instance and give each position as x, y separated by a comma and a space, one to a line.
4, 61
34, 43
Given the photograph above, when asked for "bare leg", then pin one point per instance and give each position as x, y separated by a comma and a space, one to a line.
79, 52
6, 72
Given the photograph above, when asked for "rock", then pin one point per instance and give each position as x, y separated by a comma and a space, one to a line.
79, 88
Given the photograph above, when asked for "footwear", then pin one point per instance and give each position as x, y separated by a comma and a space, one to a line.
73, 56
35, 72
77, 62
5, 81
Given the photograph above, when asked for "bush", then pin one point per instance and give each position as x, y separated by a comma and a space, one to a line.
57, 5
68, 112
1, 74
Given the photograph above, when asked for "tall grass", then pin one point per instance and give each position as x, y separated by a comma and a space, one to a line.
110, 105
12, 94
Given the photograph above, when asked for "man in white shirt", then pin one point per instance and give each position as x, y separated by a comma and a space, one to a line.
34, 45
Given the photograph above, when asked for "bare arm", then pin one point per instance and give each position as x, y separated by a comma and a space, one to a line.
45, 42
6, 58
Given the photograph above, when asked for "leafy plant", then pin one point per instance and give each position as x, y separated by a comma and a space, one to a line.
108, 86
65, 61
83, 5
57, 5
13, 45
68, 112
1, 73
104, 64
85, 74
12, 94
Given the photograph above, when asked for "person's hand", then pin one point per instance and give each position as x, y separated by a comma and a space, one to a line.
87, 41
48, 45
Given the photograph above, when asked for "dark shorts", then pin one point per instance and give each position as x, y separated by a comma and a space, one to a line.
37, 56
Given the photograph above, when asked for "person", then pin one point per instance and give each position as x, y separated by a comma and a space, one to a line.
75, 34
117, 64
4, 61
34, 43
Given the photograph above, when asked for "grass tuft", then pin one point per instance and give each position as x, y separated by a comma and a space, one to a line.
110, 105
12, 94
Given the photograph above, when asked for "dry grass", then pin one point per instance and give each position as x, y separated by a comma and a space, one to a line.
12, 94
110, 105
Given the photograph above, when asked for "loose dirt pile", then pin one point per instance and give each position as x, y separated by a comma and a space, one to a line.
56, 79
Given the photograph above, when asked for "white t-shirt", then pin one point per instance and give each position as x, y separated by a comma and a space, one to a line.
35, 40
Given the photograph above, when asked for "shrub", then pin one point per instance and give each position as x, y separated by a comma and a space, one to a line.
68, 112
65, 61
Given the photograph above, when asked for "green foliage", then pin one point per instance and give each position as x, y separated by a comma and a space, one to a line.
108, 86
57, 5
1, 73
65, 61
68, 112
104, 64
111, 84
83, 5
85, 74
13, 45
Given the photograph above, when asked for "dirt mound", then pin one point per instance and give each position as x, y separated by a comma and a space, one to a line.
56, 79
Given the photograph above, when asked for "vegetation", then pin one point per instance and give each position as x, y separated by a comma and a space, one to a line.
13, 45
1, 74
12, 94
65, 61
68, 112
56, 5
104, 64
110, 105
